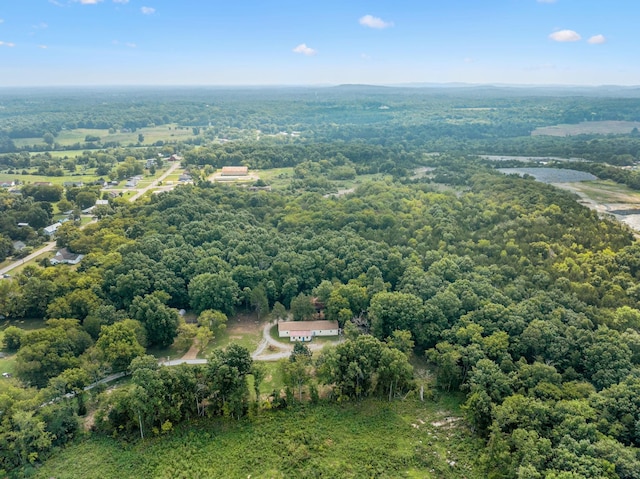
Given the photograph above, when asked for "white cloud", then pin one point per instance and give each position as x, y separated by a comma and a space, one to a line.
88, 2
131, 45
597, 40
565, 36
44, 47
374, 22
305, 50
1, 20
546, 1
148, 10
120, 1
468, 60
7, 44
364, 56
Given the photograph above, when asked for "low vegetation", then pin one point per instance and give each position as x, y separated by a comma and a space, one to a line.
353, 440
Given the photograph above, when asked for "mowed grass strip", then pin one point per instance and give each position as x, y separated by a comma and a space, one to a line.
354, 440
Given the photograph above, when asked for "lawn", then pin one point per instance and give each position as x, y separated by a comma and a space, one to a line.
371, 438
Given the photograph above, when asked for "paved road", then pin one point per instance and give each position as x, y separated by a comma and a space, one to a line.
141, 192
35, 254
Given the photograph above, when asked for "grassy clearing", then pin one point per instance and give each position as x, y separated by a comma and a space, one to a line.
244, 330
353, 440
273, 378
607, 191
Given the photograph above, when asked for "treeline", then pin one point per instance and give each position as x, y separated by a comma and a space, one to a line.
333, 159
419, 117
619, 150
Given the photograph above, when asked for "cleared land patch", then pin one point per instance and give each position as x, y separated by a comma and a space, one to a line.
588, 128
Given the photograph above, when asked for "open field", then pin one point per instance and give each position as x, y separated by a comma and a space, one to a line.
588, 127
363, 439
56, 180
166, 133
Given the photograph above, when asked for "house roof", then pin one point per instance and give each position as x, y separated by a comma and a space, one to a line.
51, 228
306, 326
299, 333
65, 256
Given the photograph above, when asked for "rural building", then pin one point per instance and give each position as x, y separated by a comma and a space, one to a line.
73, 184
64, 256
174, 157
18, 246
102, 202
235, 171
7, 184
132, 183
49, 230
306, 330
42, 183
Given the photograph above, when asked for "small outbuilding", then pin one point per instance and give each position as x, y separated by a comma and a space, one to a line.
306, 330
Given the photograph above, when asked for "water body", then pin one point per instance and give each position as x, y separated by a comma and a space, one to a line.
551, 175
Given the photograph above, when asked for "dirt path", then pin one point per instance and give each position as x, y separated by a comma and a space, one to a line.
193, 350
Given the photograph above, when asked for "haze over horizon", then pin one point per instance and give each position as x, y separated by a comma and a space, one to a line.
285, 43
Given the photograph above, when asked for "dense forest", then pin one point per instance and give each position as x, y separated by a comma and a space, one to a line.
514, 294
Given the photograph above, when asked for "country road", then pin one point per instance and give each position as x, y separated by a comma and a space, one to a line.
141, 192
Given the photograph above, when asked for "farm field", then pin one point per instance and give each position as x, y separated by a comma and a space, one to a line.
588, 127
363, 439
166, 133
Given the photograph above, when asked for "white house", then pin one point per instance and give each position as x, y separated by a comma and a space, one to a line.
64, 256
306, 330
49, 230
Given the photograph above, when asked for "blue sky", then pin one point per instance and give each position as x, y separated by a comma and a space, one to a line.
250, 42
